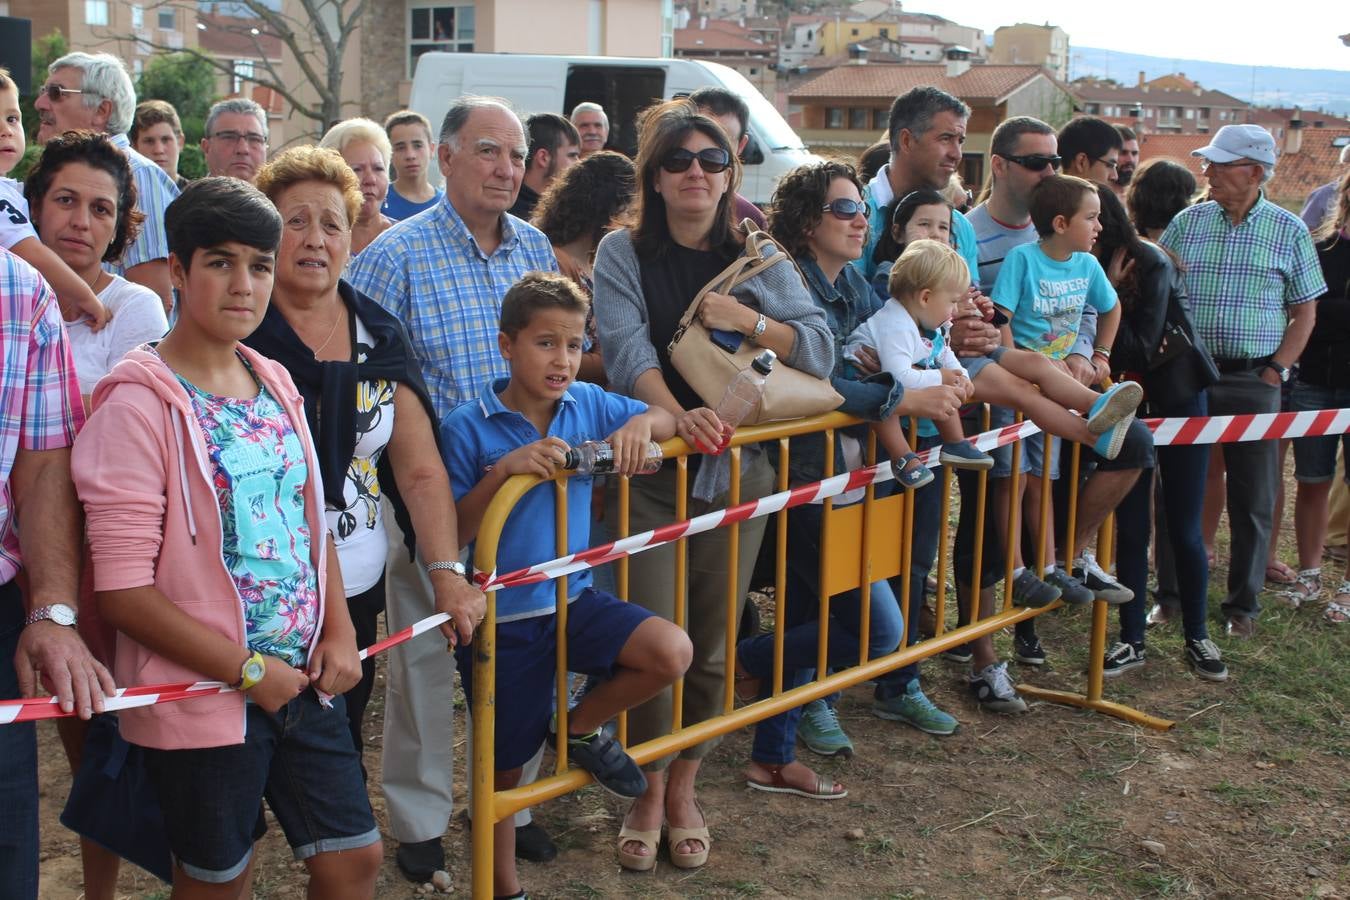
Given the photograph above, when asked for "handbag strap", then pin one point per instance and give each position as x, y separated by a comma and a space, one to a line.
761, 252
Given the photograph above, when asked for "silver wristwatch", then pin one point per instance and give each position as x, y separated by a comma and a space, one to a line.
758, 332
56, 612
455, 566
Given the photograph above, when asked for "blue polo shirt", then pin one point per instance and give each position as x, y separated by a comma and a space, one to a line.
475, 436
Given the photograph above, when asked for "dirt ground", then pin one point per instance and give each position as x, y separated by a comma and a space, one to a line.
1249, 796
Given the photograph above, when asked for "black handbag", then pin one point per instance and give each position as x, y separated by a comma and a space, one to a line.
1181, 366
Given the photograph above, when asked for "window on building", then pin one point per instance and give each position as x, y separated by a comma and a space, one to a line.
1091, 109
447, 27
243, 70
881, 118
753, 71
855, 32
166, 20
834, 117
884, 32
1190, 113
137, 16
137, 67
96, 12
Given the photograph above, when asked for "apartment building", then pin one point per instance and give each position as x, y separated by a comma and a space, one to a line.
1170, 104
1037, 45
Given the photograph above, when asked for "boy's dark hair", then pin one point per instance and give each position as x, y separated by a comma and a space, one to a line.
407, 117
913, 111
97, 152
1160, 189
548, 131
1090, 135
798, 201
721, 102
150, 113
217, 210
1058, 195
535, 291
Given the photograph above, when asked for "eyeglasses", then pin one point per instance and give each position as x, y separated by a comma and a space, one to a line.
1207, 164
1111, 164
712, 160
256, 141
846, 208
55, 92
1036, 162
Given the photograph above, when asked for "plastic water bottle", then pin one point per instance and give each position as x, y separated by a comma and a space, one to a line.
742, 397
597, 458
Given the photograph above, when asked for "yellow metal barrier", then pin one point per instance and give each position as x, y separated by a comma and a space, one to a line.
858, 547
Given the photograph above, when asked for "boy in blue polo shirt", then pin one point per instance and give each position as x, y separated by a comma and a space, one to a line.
524, 425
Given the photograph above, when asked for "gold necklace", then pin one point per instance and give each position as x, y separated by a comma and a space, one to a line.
332, 331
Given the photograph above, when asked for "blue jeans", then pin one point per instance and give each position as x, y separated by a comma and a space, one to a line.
18, 767
1181, 473
775, 738
923, 552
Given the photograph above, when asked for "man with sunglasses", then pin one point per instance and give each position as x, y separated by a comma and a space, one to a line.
93, 92
1253, 278
444, 273
235, 140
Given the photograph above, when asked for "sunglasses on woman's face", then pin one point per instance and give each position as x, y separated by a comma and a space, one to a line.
846, 208
712, 160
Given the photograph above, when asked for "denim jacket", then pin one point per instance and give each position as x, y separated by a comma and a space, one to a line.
846, 303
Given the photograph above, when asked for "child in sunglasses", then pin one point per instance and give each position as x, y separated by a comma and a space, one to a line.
17, 234
925, 284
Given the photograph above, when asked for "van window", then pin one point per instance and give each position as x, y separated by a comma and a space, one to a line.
622, 91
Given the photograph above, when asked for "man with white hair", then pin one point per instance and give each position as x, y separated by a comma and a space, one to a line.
592, 124
1323, 198
443, 273
234, 141
1253, 278
93, 92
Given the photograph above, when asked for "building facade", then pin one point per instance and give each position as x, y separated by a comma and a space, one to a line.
1037, 45
1170, 104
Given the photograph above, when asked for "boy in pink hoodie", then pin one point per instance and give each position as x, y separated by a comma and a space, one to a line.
212, 560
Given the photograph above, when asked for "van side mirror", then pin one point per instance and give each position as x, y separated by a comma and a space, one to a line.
752, 155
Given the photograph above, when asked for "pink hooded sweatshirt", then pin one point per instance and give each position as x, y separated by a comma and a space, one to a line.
141, 470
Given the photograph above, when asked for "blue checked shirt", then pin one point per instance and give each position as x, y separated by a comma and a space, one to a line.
430, 272
155, 190
1241, 278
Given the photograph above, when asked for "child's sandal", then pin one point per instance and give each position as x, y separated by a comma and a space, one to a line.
910, 471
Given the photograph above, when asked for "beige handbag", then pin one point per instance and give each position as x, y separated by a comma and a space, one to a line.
709, 368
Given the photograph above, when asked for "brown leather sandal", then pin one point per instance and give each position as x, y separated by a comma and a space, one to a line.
825, 788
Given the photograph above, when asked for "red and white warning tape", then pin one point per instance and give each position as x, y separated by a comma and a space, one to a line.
1166, 432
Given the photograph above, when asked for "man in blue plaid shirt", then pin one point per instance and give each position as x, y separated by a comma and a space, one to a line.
1253, 279
444, 272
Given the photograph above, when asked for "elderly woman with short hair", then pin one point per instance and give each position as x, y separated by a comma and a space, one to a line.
365, 401
365, 147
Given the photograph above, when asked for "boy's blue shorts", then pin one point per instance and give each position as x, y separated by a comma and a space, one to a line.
300, 758
598, 626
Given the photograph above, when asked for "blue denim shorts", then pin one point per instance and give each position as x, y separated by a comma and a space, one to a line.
598, 625
975, 364
300, 759
1315, 457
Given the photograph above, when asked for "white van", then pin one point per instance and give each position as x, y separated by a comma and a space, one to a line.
622, 85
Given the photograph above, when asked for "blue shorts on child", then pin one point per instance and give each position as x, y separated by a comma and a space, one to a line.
598, 626
300, 758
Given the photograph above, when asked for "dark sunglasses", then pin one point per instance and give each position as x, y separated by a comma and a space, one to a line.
845, 208
55, 92
1036, 163
711, 160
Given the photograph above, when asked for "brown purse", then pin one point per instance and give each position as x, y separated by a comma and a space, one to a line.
708, 367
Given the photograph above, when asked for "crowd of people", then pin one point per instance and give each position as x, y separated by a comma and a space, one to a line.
358, 360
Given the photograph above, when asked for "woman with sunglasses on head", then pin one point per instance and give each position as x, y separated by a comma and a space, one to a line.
646, 275
1147, 282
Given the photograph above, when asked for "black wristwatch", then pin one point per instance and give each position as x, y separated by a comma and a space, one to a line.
1278, 370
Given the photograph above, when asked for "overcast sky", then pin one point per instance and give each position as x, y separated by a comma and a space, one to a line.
1297, 33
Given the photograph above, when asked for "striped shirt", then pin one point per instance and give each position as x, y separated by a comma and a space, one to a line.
155, 190
40, 407
1242, 278
430, 273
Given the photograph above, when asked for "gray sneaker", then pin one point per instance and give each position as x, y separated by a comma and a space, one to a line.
1028, 590
993, 689
1070, 588
819, 730
1101, 583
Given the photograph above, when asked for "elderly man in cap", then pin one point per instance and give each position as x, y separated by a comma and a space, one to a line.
1253, 279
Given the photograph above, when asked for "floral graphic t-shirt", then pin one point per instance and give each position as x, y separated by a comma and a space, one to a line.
259, 474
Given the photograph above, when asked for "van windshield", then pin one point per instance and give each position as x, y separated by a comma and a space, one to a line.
769, 124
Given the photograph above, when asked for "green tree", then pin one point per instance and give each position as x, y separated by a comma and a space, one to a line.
184, 81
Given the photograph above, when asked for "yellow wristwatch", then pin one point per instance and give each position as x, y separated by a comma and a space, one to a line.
251, 672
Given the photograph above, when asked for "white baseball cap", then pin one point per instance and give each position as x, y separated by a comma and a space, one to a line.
1234, 142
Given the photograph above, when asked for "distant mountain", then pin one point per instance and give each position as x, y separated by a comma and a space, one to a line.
1324, 89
